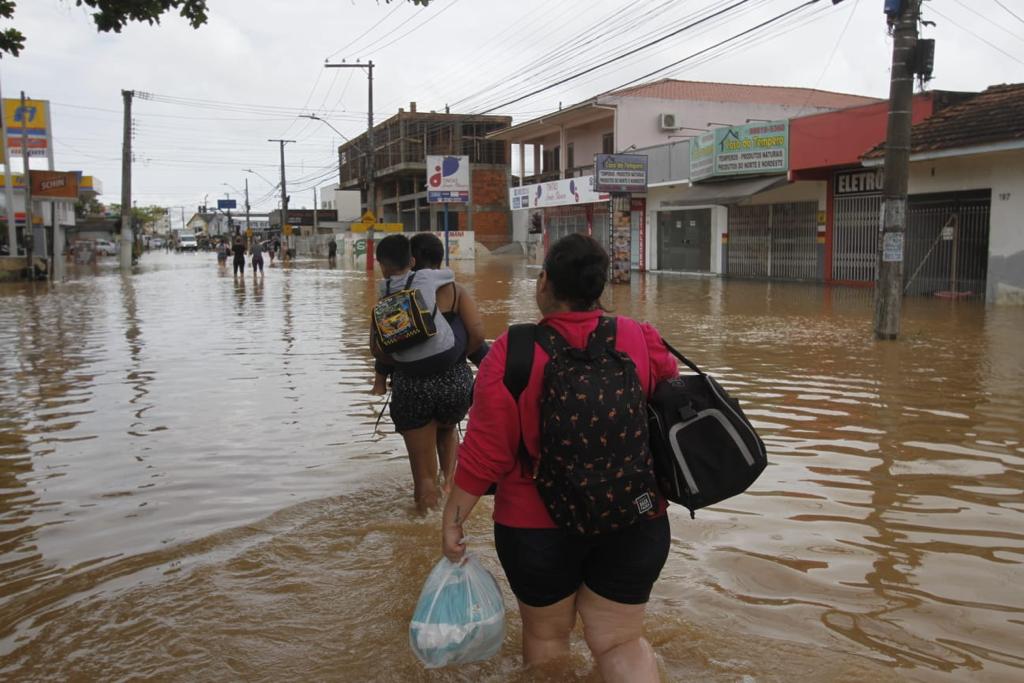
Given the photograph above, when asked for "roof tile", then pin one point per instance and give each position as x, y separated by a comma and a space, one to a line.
995, 115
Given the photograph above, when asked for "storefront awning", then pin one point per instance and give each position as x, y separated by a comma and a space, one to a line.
723, 192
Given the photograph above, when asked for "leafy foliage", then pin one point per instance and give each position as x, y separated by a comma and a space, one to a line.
114, 15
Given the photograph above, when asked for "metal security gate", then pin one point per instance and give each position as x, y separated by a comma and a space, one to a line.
774, 241
946, 251
946, 243
855, 238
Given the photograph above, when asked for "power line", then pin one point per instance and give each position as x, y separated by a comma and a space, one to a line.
967, 30
363, 34
1010, 11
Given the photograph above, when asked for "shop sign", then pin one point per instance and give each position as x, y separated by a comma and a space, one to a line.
448, 179
33, 119
861, 181
754, 149
556, 193
54, 185
621, 172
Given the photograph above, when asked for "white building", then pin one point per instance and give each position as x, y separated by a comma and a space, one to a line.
563, 144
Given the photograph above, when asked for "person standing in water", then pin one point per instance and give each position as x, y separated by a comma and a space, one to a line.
257, 257
238, 263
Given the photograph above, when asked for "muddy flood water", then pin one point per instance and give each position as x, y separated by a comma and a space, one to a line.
191, 487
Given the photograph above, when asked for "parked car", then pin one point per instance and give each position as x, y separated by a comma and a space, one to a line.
187, 243
106, 248
156, 243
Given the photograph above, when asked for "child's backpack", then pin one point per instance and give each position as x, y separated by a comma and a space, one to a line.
595, 472
402, 320
705, 449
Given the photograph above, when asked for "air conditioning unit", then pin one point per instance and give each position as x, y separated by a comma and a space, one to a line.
668, 121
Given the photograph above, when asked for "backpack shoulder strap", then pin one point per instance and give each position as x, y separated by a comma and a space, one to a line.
519, 357
551, 340
518, 364
603, 336
408, 283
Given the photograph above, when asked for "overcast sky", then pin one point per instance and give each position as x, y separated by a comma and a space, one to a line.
225, 88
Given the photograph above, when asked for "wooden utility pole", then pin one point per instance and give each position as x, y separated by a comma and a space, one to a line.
284, 201
126, 185
889, 287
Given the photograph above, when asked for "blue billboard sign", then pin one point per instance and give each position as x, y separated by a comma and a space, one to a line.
226, 204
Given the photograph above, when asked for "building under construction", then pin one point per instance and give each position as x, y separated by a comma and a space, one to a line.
402, 144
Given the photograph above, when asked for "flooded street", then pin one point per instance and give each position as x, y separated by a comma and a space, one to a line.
192, 488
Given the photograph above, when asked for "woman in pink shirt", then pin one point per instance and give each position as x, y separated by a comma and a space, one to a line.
555, 575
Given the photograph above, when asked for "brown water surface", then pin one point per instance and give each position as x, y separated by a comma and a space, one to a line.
191, 487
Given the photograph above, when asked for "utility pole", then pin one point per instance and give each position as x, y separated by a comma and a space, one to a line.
29, 228
126, 184
284, 200
889, 287
248, 225
371, 160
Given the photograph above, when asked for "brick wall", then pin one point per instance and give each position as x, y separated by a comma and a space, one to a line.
492, 220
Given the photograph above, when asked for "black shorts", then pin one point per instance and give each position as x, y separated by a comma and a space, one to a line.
445, 397
544, 566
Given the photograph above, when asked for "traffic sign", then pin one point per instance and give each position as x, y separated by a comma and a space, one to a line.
287, 230
368, 217
249, 233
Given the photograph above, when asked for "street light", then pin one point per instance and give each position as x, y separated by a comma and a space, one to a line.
265, 179
326, 123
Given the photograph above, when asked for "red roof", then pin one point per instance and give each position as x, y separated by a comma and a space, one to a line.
996, 115
671, 89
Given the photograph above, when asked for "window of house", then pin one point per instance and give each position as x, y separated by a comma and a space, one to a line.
608, 143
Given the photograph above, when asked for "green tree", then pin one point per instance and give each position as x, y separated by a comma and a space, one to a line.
88, 207
114, 15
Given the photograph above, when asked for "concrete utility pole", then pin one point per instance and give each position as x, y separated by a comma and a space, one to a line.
126, 184
29, 228
248, 225
284, 200
371, 158
889, 287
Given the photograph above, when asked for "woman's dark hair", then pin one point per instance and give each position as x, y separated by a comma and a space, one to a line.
393, 251
577, 268
427, 250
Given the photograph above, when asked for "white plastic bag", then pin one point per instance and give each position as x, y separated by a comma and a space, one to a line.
460, 616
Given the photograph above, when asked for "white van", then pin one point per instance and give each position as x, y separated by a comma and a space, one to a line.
187, 242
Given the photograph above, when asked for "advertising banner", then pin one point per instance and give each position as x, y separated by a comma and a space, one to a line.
556, 193
448, 179
754, 149
54, 185
224, 204
621, 172
35, 115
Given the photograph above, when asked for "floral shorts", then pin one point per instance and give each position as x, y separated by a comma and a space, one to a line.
444, 397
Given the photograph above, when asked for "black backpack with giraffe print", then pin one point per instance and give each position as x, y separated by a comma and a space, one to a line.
595, 472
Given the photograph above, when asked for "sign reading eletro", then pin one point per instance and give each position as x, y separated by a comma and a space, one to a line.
620, 172
863, 181
448, 179
754, 149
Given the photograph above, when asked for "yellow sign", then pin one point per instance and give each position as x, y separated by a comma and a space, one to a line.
32, 117
379, 227
248, 232
287, 230
368, 217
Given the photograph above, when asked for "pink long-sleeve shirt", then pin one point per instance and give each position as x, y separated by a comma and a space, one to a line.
488, 452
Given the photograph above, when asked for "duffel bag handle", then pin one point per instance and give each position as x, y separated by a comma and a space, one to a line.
686, 361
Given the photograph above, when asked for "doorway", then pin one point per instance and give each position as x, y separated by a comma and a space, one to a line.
684, 240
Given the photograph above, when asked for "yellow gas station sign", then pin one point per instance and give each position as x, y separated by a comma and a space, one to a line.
380, 227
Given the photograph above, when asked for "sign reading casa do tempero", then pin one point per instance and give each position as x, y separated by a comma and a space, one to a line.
620, 172
754, 149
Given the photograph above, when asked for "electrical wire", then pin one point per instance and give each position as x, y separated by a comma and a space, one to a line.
967, 30
1010, 11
